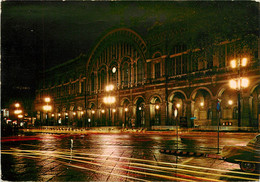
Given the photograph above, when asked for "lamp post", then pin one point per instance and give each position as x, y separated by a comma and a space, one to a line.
218, 118
176, 116
114, 111
109, 100
74, 121
156, 114
238, 84
126, 110
93, 115
177, 134
18, 111
102, 112
47, 108
59, 119
66, 118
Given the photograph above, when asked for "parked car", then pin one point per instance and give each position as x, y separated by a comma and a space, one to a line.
248, 157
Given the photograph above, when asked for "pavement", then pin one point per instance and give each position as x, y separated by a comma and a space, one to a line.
113, 157
70, 130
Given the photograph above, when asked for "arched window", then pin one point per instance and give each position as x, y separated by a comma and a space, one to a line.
157, 68
125, 74
135, 72
140, 71
113, 72
103, 79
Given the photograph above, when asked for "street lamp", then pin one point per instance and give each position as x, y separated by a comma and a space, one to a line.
109, 88
177, 134
109, 100
18, 111
239, 83
114, 118
156, 114
93, 115
202, 104
126, 110
47, 107
230, 102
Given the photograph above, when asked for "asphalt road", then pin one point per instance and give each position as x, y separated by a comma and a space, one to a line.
119, 157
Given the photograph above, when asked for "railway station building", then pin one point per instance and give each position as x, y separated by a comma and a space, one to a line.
157, 81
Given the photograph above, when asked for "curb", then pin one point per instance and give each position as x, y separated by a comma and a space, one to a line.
182, 153
191, 154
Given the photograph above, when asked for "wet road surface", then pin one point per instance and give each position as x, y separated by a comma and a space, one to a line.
118, 157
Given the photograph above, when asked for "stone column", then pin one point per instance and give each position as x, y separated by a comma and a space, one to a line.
95, 80
136, 73
120, 115
108, 77
119, 76
188, 113
145, 71
245, 111
163, 113
132, 75
147, 116
214, 120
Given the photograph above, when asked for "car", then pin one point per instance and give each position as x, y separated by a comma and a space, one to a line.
248, 157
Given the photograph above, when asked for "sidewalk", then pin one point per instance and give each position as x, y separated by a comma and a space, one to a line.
118, 130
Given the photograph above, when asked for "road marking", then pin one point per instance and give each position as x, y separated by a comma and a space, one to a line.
67, 157
134, 171
188, 160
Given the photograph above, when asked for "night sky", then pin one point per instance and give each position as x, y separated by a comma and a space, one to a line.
39, 35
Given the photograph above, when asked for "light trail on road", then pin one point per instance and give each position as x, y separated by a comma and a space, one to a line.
79, 167
92, 163
128, 170
67, 156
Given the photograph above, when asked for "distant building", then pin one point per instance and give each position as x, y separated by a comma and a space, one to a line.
151, 76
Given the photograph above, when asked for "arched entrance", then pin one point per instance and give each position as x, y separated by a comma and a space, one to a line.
177, 101
229, 108
140, 113
201, 107
155, 111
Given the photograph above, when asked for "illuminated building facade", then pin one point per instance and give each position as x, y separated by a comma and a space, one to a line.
151, 76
